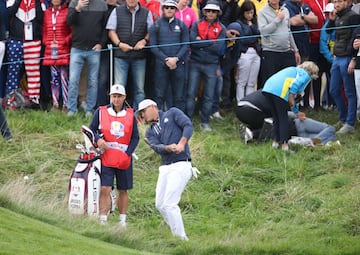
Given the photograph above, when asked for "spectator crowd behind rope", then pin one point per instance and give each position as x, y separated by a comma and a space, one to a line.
200, 56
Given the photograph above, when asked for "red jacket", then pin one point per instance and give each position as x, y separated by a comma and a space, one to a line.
317, 7
62, 35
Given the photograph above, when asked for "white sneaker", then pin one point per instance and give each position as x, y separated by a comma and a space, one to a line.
346, 129
216, 115
83, 106
206, 127
69, 113
185, 238
248, 135
103, 219
103, 222
303, 141
275, 145
333, 143
122, 224
245, 133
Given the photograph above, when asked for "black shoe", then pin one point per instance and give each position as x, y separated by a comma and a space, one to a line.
32, 106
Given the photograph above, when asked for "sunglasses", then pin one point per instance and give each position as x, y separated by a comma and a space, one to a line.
232, 33
169, 7
213, 11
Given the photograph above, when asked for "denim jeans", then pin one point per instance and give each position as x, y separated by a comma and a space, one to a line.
311, 128
208, 73
172, 81
104, 79
339, 76
216, 104
138, 68
77, 60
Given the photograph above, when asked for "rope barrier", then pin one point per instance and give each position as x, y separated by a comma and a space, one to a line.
202, 41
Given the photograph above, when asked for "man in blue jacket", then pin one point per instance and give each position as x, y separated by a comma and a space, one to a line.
207, 36
169, 60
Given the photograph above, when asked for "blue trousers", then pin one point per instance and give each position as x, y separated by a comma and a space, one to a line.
339, 76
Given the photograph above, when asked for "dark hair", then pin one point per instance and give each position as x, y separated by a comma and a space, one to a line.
248, 5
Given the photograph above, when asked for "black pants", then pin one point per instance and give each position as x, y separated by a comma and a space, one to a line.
272, 62
5, 131
279, 112
251, 117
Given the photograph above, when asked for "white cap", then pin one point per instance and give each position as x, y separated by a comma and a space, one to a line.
329, 7
213, 6
145, 103
172, 3
117, 89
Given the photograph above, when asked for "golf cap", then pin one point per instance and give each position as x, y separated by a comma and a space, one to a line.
117, 89
145, 103
212, 5
170, 3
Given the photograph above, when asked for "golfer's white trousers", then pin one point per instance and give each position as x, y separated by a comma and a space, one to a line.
170, 185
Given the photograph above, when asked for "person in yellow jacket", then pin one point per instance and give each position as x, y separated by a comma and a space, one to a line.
258, 4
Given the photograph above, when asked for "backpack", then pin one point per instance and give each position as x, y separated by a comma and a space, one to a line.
15, 100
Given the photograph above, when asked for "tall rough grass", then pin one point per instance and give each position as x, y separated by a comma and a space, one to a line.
249, 199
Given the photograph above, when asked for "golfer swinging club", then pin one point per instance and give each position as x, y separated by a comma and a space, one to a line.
168, 135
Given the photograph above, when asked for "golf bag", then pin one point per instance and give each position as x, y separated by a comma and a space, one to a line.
84, 187
85, 182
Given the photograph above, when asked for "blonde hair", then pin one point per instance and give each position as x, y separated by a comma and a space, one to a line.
311, 68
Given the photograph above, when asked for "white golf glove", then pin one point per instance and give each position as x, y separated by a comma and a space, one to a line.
195, 172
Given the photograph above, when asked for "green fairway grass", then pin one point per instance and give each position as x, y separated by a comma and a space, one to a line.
24, 235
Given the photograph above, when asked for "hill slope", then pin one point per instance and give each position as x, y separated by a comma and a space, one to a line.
249, 199
24, 235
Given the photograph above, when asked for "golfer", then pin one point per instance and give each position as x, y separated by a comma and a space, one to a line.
168, 135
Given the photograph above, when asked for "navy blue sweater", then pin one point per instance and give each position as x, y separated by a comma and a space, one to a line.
174, 124
174, 33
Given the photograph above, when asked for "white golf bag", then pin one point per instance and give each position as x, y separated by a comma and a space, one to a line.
85, 183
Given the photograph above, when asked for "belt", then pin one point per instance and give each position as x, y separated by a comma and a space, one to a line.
180, 160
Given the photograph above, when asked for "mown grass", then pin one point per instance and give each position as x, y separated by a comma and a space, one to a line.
24, 235
249, 199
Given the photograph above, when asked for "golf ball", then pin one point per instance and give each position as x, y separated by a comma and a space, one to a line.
26, 178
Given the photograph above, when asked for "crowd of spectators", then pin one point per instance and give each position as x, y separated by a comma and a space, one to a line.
199, 56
